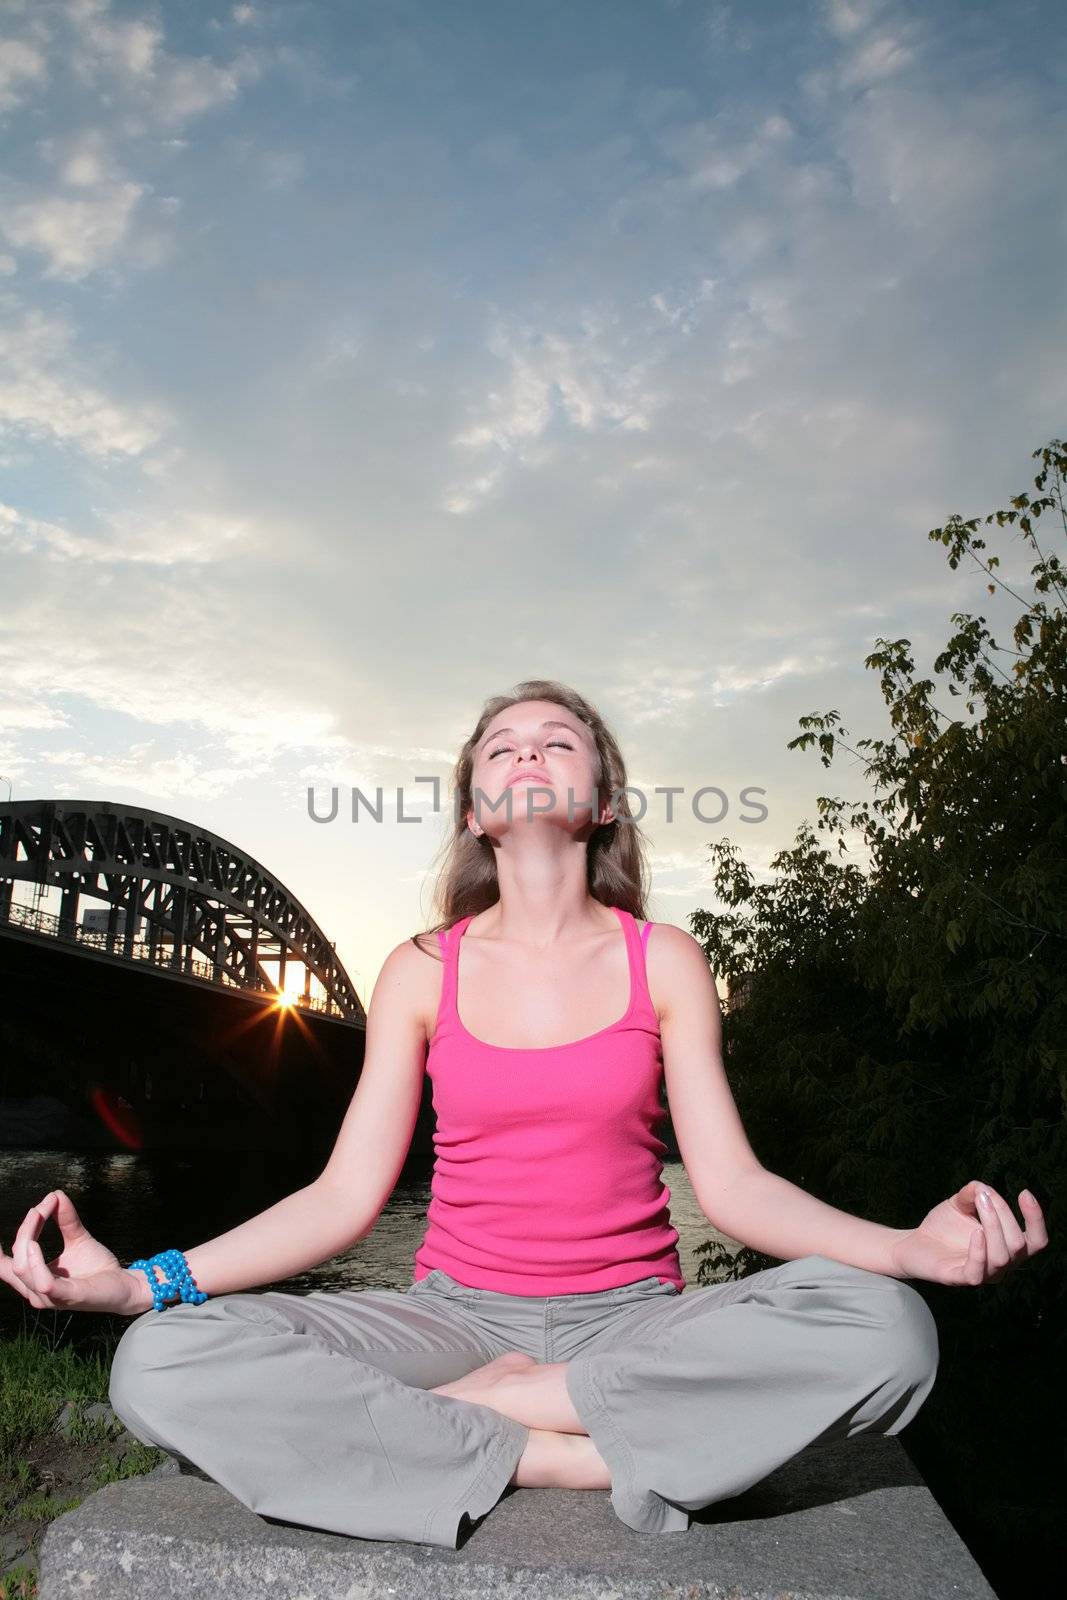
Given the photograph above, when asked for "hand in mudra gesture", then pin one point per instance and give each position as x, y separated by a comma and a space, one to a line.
85, 1276
947, 1247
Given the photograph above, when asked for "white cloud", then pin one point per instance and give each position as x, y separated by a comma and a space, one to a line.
127, 47
178, 539
188, 88
131, 653
28, 713
711, 156
85, 224
142, 767
581, 380
83, 157
877, 59
846, 18
22, 65
44, 396
682, 315
942, 165
747, 437
732, 681
126, 55
75, 235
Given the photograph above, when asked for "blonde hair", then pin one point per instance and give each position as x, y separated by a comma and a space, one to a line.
617, 869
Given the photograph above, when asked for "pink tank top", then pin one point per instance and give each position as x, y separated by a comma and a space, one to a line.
547, 1175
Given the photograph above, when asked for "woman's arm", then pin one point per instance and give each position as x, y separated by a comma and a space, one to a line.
307, 1227
341, 1206
736, 1193
765, 1211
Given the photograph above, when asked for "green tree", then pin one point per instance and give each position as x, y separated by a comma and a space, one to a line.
904, 1024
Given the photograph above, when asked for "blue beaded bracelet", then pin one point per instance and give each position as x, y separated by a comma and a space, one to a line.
177, 1281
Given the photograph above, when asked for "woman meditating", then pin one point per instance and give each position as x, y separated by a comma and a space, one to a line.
545, 1339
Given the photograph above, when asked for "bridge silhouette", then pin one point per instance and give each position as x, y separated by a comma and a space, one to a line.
209, 911
179, 944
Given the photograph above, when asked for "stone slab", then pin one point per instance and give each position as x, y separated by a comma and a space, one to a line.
848, 1521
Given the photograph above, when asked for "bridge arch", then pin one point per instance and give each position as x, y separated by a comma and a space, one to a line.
175, 895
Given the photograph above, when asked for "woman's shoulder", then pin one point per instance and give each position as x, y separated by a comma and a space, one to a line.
673, 943
419, 971
676, 964
428, 941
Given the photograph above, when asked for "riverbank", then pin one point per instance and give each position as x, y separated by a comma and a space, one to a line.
60, 1441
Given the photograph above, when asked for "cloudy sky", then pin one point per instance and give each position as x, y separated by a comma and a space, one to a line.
362, 359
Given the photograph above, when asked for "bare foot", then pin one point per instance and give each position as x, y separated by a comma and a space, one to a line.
475, 1386
560, 1461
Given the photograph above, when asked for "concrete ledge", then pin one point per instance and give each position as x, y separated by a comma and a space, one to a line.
848, 1521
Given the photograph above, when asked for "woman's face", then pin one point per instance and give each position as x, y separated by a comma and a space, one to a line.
534, 764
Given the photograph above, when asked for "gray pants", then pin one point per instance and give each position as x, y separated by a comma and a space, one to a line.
315, 1409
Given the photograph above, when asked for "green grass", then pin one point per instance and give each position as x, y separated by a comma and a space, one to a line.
44, 1474
35, 1380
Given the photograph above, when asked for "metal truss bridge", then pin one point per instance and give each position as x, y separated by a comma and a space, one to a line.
168, 893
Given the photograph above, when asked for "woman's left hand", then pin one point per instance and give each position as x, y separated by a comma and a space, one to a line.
947, 1247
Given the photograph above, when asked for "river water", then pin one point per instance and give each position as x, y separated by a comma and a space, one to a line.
140, 1203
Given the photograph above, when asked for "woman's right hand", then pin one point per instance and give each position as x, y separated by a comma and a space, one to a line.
85, 1276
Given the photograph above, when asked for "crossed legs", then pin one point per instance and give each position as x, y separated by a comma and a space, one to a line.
559, 1453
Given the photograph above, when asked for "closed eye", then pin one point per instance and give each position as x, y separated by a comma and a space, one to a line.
561, 743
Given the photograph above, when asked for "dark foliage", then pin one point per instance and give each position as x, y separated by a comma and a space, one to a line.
903, 1018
